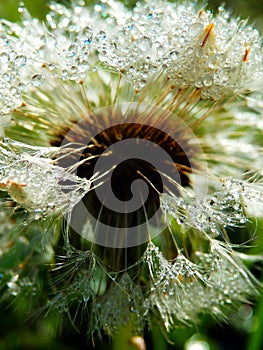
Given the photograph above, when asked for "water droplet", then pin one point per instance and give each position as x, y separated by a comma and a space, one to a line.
21, 8
37, 79
174, 55
83, 66
245, 311
224, 75
73, 69
237, 206
161, 50
21, 86
202, 217
103, 56
51, 66
212, 62
4, 57
199, 83
208, 81
144, 43
133, 309
87, 41
195, 28
20, 60
190, 50
130, 27
86, 35
72, 50
101, 35
199, 52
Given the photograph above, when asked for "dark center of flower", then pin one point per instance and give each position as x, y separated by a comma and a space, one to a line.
131, 169
148, 154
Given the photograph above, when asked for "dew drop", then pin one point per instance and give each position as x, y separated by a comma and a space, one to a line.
21, 8
144, 43
174, 55
161, 50
195, 29
130, 27
199, 83
224, 75
51, 66
83, 66
4, 57
189, 51
20, 60
37, 80
86, 35
72, 50
237, 206
208, 81
101, 35
87, 41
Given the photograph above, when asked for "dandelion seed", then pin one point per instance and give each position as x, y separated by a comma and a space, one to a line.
132, 151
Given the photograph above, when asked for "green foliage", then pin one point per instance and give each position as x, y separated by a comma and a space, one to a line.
8, 9
40, 335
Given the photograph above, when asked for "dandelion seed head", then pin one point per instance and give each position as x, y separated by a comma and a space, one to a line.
220, 55
216, 54
131, 140
35, 183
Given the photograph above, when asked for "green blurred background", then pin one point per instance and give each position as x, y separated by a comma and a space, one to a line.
245, 330
251, 8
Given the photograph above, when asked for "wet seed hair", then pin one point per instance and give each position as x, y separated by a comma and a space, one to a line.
174, 89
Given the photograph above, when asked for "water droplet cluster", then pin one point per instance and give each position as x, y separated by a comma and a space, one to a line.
122, 304
167, 54
37, 184
217, 279
224, 208
219, 55
215, 54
